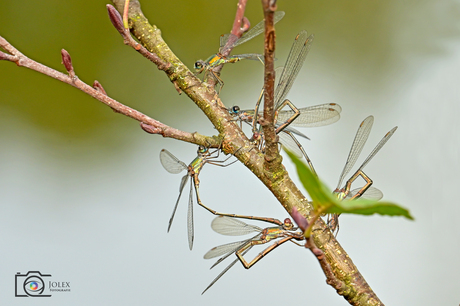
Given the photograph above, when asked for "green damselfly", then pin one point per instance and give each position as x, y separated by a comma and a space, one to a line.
173, 165
365, 191
284, 231
228, 42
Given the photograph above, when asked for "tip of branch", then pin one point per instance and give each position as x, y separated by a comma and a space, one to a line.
115, 18
3, 56
245, 25
67, 61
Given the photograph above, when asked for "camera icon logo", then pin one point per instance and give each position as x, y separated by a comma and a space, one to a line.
30, 284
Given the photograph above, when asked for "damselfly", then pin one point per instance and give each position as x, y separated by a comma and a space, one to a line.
365, 191
294, 62
229, 41
312, 116
173, 165
284, 231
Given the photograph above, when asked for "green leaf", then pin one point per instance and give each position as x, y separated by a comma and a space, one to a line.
319, 193
324, 199
369, 207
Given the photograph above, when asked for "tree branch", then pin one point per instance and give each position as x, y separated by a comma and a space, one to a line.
99, 93
241, 23
272, 157
117, 22
231, 138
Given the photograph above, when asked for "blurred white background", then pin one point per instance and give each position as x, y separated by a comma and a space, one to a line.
83, 195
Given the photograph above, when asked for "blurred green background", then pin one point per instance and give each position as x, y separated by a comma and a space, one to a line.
86, 184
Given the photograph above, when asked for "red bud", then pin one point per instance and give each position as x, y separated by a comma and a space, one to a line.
299, 219
98, 87
115, 18
67, 61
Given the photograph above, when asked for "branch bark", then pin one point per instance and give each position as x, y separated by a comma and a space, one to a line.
272, 157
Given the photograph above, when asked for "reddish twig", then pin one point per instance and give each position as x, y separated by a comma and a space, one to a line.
117, 22
240, 25
99, 93
305, 225
331, 279
272, 157
182, 78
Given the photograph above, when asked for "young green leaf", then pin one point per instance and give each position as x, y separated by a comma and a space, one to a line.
324, 200
368, 207
319, 193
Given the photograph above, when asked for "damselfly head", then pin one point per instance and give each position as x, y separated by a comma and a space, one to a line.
256, 136
340, 193
199, 66
287, 224
234, 110
202, 150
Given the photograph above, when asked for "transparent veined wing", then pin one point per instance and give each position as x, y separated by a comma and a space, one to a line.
181, 188
228, 41
190, 228
293, 130
232, 226
171, 163
225, 270
378, 146
312, 116
224, 249
371, 193
358, 143
287, 142
294, 62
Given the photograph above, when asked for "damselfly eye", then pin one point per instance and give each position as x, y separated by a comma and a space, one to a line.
236, 109
202, 149
198, 65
